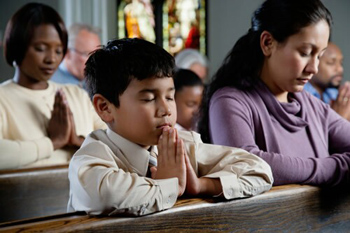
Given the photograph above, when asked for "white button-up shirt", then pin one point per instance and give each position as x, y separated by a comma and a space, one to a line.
108, 174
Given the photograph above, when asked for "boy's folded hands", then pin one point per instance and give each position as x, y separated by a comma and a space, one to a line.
171, 158
173, 161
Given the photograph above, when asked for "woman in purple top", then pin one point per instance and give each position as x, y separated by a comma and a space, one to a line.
256, 99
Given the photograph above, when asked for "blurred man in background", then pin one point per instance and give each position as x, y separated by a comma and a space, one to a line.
82, 39
326, 84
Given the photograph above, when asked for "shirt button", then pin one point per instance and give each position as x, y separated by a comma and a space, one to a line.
143, 209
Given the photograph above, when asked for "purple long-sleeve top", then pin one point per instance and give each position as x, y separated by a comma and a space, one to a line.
304, 140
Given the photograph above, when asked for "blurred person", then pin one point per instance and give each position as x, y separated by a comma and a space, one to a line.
188, 97
193, 60
326, 84
82, 39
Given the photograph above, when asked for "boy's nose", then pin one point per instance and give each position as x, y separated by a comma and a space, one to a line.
164, 109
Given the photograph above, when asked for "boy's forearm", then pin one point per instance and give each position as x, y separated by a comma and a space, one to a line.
210, 186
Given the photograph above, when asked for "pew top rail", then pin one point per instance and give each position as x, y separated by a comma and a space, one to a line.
290, 207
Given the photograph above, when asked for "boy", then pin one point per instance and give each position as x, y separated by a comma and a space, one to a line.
188, 97
130, 82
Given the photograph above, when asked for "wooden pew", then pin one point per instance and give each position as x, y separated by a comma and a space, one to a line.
291, 208
33, 192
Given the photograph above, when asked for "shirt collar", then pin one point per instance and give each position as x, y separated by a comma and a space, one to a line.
63, 67
137, 156
309, 88
71, 78
328, 95
179, 127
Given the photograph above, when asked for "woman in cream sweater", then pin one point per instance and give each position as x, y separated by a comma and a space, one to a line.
41, 122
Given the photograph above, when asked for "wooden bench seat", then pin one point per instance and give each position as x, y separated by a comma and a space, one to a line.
292, 208
34, 192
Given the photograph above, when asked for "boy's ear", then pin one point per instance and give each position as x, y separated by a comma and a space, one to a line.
267, 43
103, 107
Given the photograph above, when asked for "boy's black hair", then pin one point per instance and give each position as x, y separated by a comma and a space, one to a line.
186, 78
110, 69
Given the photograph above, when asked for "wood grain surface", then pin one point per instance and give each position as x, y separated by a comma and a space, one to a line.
29, 193
290, 208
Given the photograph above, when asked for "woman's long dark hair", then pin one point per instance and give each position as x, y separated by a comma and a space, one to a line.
241, 67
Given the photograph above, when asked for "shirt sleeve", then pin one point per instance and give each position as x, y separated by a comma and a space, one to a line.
241, 174
338, 133
231, 124
339, 146
16, 153
99, 186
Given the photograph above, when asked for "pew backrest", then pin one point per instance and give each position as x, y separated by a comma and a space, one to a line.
291, 208
29, 193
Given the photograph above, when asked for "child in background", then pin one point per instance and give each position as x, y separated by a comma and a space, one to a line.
141, 164
188, 97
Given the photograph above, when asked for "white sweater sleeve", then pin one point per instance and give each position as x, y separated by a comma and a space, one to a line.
15, 154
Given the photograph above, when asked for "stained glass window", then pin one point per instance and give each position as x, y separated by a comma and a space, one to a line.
181, 23
184, 25
136, 19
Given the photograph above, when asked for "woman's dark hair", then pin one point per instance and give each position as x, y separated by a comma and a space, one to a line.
241, 67
20, 30
110, 69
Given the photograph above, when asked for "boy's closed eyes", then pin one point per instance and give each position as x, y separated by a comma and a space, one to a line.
145, 108
149, 95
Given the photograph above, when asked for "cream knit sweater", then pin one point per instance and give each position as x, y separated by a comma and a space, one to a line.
24, 117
